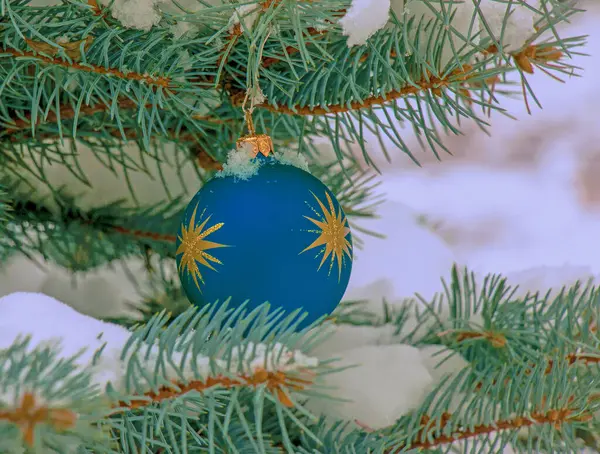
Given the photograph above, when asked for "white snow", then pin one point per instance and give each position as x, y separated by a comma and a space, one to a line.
47, 320
145, 14
240, 164
412, 258
276, 357
348, 337
292, 158
140, 14
387, 382
363, 19
464, 29
441, 362
509, 23
245, 16
110, 291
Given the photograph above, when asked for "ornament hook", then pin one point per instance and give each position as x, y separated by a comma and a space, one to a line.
249, 122
254, 143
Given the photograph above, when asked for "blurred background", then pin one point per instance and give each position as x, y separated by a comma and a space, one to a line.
522, 200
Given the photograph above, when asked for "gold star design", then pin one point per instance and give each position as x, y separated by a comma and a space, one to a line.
194, 246
333, 230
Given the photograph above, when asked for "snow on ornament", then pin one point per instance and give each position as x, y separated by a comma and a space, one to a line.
265, 230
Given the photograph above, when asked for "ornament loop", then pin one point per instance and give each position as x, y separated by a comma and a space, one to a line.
250, 122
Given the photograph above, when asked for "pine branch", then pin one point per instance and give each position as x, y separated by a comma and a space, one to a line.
28, 415
276, 382
223, 68
554, 416
68, 112
428, 82
158, 81
142, 234
465, 77
65, 112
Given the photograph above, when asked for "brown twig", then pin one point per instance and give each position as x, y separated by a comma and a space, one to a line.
427, 83
530, 56
161, 81
526, 59
276, 382
66, 112
498, 340
28, 415
142, 234
97, 11
555, 417
573, 358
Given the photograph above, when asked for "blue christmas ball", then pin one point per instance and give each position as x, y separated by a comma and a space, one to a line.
279, 236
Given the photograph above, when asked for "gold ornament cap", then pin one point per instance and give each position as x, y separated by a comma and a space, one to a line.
254, 143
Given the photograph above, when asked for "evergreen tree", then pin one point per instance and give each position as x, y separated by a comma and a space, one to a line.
99, 98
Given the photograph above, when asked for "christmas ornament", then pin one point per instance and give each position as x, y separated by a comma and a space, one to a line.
268, 232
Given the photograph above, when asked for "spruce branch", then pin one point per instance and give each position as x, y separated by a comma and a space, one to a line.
28, 415
46, 398
159, 81
68, 112
275, 382
534, 399
464, 77
429, 82
299, 57
214, 361
553, 416
217, 367
65, 112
